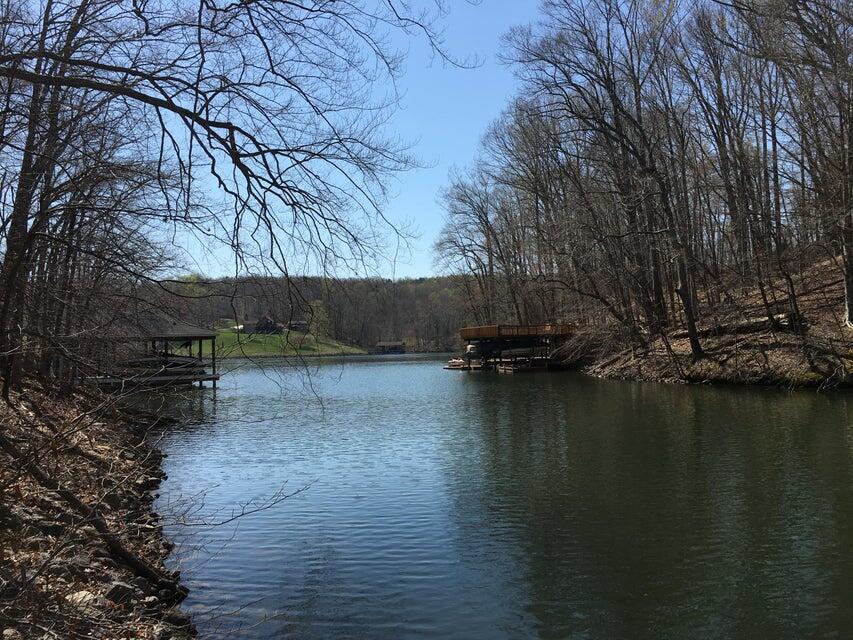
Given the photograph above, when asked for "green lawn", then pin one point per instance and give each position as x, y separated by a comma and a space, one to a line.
230, 344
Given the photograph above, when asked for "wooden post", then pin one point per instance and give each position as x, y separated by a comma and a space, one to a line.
213, 358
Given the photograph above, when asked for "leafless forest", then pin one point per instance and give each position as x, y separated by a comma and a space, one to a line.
663, 163
128, 126
667, 166
424, 312
671, 177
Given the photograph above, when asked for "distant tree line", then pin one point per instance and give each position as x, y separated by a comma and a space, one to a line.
426, 313
661, 159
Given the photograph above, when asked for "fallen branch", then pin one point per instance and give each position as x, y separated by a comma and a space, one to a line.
92, 516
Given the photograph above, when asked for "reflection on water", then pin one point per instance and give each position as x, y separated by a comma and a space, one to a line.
478, 505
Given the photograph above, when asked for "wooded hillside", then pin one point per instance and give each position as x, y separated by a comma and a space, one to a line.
665, 166
425, 312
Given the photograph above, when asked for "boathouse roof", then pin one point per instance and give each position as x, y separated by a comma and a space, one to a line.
159, 326
510, 331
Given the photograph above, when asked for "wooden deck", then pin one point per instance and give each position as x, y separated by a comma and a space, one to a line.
497, 331
157, 371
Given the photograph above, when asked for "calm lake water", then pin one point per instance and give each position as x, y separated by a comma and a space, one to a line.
480, 505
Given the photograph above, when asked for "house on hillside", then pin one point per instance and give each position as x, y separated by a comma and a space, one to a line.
301, 326
265, 324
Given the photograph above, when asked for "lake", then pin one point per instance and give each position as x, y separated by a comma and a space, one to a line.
446, 504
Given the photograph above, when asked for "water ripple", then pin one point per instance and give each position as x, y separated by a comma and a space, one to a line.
442, 504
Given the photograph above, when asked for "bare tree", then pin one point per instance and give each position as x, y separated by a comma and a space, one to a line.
278, 107
666, 161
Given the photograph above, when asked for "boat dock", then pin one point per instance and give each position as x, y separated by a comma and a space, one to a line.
511, 348
165, 355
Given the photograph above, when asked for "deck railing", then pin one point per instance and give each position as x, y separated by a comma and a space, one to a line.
517, 331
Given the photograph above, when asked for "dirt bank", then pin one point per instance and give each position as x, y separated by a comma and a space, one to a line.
81, 550
760, 359
740, 345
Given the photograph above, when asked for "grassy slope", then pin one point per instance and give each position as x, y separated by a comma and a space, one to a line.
823, 356
229, 344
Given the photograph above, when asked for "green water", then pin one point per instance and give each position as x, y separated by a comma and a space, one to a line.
479, 505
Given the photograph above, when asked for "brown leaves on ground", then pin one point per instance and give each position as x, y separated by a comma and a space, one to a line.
820, 356
57, 577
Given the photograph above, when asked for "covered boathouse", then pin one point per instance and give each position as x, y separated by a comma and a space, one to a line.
390, 346
513, 347
161, 352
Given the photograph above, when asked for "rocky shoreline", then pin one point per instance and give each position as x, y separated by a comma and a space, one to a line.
81, 549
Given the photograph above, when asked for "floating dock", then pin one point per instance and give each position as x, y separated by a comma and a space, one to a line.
155, 379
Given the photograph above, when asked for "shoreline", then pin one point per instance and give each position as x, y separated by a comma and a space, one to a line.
757, 360
84, 546
764, 359
273, 356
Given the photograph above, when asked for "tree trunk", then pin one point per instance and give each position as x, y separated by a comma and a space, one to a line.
847, 253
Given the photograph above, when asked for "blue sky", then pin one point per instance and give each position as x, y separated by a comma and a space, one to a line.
446, 111
443, 112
